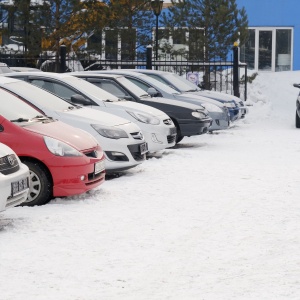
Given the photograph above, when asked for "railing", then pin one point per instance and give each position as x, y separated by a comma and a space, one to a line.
223, 76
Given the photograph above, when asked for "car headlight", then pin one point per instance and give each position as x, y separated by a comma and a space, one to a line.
144, 118
110, 132
198, 114
60, 148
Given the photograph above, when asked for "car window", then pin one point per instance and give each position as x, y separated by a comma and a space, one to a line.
36, 95
47, 85
12, 108
112, 88
63, 91
139, 83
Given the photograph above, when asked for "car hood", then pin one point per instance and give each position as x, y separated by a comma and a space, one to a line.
175, 102
138, 107
217, 95
89, 115
75, 137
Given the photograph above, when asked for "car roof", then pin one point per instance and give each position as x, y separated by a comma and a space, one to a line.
91, 73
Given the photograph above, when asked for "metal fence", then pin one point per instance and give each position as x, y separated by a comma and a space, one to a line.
223, 76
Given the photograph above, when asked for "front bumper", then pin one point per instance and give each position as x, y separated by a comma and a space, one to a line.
75, 175
234, 113
190, 128
8, 200
160, 139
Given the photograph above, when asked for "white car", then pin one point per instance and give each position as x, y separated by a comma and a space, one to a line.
157, 127
14, 179
121, 140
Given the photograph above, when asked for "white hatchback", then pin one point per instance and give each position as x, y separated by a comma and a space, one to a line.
14, 179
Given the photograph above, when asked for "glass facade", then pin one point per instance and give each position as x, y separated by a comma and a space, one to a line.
268, 49
265, 50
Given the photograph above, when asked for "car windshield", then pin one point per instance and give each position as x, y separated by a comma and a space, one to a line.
92, 89
38, 96
132, 87
157, 84
162, 86
181, 83
13, 108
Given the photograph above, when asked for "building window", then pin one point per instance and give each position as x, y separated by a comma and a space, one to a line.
265, 50
180, 43
119, 44
268, 49
283, 49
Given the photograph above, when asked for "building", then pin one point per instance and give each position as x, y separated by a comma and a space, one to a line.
274, 35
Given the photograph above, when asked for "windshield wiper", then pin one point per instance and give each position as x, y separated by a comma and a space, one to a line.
40, 118
195, 90
20, 120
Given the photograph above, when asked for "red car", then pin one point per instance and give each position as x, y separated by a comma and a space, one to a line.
62, 160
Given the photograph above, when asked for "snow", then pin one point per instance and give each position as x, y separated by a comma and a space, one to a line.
215, 218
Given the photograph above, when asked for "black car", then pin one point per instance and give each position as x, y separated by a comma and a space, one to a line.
189, 119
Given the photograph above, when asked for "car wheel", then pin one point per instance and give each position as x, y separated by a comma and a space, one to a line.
40, 185
179, 137
297, 121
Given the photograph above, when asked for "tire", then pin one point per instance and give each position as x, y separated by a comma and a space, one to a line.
297, 120
179, 137
40, 185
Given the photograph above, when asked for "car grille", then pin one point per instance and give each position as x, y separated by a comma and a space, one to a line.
93, 154
171, 138
135, 152
137, 135
9, 164
93, 176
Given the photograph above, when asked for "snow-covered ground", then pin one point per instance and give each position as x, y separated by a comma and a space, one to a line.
216, 218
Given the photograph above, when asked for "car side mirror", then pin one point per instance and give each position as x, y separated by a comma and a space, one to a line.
296, 85
152, 92
79, 99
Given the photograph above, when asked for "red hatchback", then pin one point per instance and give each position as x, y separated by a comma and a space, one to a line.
62, 160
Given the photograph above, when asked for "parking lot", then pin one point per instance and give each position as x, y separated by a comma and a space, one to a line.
217, 217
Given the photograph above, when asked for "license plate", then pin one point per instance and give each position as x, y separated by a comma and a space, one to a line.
19, 186
99, 167
144, 148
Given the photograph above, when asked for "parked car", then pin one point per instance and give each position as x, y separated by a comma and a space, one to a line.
158, 129
218, 112
62, 160
14, 179
297, 119
235, 105
122, 141
189, 119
